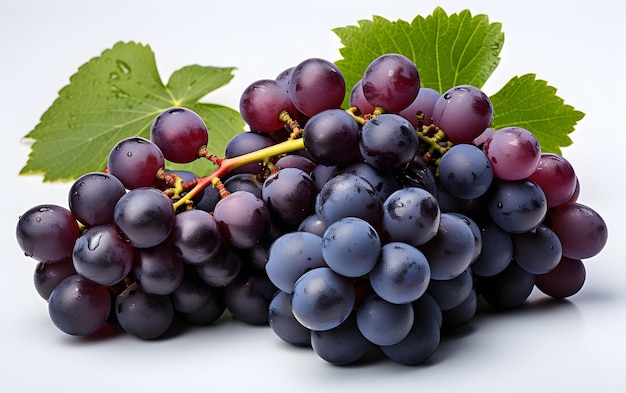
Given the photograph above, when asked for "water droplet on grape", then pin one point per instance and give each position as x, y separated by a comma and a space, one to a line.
499, 205
129, 154
94, 242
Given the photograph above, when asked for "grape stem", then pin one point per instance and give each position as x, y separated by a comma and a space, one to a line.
228, 164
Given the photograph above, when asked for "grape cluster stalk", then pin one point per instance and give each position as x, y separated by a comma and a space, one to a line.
377, 227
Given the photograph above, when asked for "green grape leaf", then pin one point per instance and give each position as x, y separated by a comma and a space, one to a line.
532, 104
449, 50
116, 95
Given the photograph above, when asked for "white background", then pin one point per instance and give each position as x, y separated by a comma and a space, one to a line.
573, 346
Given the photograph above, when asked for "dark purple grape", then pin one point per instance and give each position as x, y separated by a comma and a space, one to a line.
102, 256
357, 99
388, 142
391, 81
296, 161
289, 195
463, 113
581, 230
196, 236
48, 275
192, 293
79, 307
179, 133
316, 85
249, 296
135, 161
209, 312
331, 137
144, 315
244, 182
243, 218
556, 177
243, 143
93, 196
261, 104
47, 233
222, 269
565, 280
157, 270
145, 216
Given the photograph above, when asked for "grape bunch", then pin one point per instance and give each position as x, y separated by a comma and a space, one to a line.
377, 227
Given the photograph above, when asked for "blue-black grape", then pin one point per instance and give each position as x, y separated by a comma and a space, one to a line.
289, 195
343, 344
517, 206
322, 299
384, 323
507, 289
465, 171
331, 137
249, 295
350, 247
292, 255
348, 195
284, 324
537, 251
411, 215
401, 274
451, 293
388, 142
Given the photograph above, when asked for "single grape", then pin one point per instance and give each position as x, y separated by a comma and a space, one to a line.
289, 195
517, 206
316, 85
102, 256
581, 230
290, 256
465, 171
537, 251
514, 153
421, 109
401, 274
350, 247
565, 280
284, 324
157, 270
496, 252
357, 99
261, 104
384, 183
48, 275
296, 161
78, 306
411, 215
313, 224
93, 196
383, 323
463, 113
196, 236
331, 137
179, 133
388, 142
135, 161
451, 251
391, 81
322, 299
144, 315
556, 177
243, 218
348, 195
340, 345
47, 233
244, 182
144, 216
